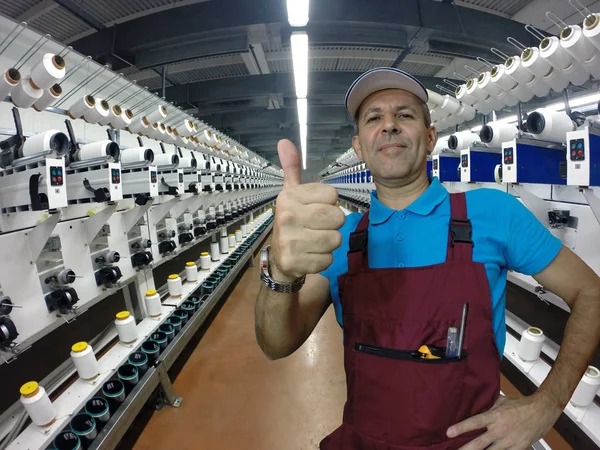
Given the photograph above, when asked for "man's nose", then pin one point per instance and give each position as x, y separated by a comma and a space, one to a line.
391, 125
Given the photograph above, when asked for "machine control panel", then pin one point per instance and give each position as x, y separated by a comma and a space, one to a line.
577, 147
116, 176
56, 173
509, 155
464, 160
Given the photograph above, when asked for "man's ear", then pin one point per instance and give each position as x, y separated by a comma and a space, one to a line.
432, 138
357, 148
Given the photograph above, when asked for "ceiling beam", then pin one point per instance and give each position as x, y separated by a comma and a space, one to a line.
37, 11
274, 83
336, 21
76, 9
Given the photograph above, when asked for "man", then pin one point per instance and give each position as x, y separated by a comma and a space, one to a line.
399, 276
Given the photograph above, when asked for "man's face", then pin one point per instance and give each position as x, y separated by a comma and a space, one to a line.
392, 139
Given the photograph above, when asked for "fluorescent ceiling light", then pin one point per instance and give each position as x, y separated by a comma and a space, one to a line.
303, 121
298, 12
302, 111
300, 59
303, 138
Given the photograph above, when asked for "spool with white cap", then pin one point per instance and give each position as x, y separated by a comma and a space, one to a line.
187, 129
591, 29
205, 261
238, 236
97, 150
500, 78
81, 106
205, 137
587, 388
231, 240
214, 251
114, 112
8, 82
538, 86
554, 53
49, 97
516, 71
37, 404
191, 271
521, 92
138, 126
50, 70
82, 355
153, 303
175, 286
26, 94
244, 231
435, 98
466, 112
450, 104
474, 90
484, 81
157, 114
126, 327
530, 346
122, 122
98, 112
577, 44
224, 245
531, 60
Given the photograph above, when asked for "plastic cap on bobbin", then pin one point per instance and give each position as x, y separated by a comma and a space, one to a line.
123, 315
79, 347
204, 254
29, 389
173, 277
151, 293
190, 264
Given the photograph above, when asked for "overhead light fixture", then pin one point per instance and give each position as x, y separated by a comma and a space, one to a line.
303, 121
298, 12
300, 60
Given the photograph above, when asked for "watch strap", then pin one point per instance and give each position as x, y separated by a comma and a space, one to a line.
276, 286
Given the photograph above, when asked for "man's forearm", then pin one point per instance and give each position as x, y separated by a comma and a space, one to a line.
580, 341
277, 322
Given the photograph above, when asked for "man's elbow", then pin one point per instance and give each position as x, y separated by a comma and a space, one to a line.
272, 352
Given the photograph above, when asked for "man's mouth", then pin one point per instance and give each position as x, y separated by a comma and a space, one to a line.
395, 145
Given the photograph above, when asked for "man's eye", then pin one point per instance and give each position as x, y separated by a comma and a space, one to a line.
372, 119
406, 116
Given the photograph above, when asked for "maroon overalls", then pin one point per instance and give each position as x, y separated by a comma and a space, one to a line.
397, 401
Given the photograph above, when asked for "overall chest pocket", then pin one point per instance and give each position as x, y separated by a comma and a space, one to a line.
401, 398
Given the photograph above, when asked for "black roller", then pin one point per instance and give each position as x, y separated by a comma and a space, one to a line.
452, 142
175, 159
486, 134
59, 143
149, 155
113, 150
536, 123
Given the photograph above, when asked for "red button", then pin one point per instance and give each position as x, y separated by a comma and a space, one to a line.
60, 179
580, 152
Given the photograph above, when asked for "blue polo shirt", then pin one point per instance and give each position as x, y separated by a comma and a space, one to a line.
505, 233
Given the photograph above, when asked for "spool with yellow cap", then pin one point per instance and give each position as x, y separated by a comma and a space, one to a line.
204, 261
153, 304
82, 355
191, 272
231, 241
175, 286
37, 404
126, 327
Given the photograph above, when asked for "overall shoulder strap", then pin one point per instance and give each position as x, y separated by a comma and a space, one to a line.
357, 253
460, 242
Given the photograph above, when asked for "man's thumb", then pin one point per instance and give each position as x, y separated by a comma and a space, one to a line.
290, 163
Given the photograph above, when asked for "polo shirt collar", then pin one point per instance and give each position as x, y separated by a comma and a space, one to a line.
435, 194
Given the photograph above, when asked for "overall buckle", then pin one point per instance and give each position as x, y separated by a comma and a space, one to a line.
461, 231
358, 241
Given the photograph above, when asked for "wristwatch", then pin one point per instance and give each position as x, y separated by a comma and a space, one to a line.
265, 276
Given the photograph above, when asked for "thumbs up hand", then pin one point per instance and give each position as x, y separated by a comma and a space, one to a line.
305, 231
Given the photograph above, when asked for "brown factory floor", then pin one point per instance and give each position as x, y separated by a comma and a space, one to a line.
236, 399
